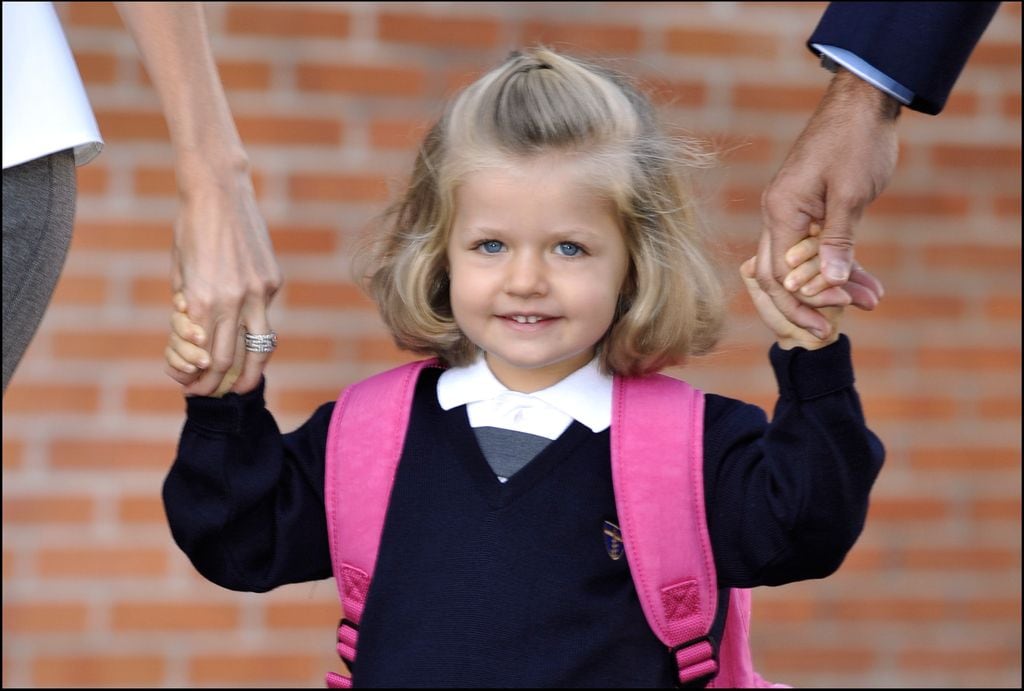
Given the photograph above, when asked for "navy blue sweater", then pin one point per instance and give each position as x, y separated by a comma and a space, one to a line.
480, 583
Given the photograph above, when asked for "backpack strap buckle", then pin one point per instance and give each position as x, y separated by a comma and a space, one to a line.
348, 636
697, 660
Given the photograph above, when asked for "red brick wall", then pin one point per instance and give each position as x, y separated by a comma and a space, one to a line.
329, 99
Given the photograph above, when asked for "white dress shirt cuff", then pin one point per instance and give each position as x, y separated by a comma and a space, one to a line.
865, 71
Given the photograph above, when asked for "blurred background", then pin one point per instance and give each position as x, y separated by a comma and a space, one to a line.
330, 100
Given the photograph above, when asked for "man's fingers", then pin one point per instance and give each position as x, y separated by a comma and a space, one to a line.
861, 296
865, 278
836, 248
787, 211
864, 289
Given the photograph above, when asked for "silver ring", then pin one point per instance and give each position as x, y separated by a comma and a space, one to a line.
260, 343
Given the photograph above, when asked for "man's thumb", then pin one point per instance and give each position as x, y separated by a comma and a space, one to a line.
836, 250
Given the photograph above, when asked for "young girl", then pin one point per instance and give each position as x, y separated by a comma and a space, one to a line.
544, 245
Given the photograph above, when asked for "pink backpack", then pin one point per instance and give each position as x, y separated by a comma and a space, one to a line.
668, 550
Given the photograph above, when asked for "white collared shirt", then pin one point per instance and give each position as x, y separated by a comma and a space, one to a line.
585, 395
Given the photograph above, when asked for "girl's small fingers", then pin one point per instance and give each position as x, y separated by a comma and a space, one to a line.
190, 353
802, 274
179, 364
178, 301
815, 285
187, 329
802, 251
180, 377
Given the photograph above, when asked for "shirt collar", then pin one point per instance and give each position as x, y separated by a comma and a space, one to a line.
585, 395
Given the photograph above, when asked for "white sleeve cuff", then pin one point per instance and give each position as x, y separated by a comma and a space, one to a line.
865, 71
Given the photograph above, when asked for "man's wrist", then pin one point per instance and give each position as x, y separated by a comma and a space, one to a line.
834, 57
850, 87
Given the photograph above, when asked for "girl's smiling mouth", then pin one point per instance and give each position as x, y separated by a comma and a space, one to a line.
526, 318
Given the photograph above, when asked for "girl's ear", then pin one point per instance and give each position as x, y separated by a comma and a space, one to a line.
442, 279
629, 284
622, 306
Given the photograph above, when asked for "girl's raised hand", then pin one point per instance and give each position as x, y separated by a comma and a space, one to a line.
804, 257
805, 277
185, 355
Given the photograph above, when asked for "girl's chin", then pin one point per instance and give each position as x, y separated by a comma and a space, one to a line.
532, 374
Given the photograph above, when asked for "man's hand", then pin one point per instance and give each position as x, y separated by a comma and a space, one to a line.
840, 163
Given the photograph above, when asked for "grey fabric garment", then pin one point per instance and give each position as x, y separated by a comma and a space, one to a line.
507, 451
39, 211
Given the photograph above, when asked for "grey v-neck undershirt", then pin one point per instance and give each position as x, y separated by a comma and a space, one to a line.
508, 451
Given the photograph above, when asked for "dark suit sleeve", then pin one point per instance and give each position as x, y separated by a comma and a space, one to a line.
922, 45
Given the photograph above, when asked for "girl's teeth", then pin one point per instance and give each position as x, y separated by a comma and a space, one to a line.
525, 320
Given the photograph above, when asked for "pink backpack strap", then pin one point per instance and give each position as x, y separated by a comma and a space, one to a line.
657, 439
364, 445
657, 450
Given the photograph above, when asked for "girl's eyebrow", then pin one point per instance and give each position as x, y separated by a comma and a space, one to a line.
575, 231
578, 234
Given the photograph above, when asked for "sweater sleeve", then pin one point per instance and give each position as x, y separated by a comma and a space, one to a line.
786, 499
246, 502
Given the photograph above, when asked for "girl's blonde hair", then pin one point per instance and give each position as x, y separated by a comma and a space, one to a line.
539, 101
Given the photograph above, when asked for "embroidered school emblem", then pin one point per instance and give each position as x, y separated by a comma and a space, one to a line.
613, 541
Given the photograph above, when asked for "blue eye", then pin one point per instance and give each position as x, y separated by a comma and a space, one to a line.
569, 249
492, 246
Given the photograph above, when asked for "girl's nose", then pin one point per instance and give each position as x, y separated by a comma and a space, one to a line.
525, 276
